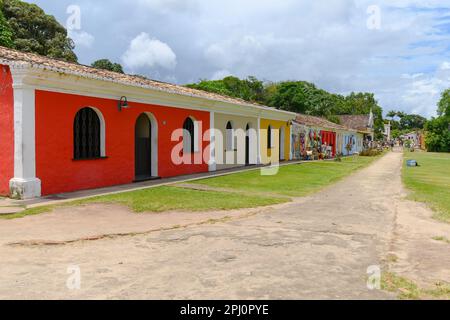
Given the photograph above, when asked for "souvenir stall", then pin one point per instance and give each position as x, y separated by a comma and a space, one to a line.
314, 150
299, 141
328, 143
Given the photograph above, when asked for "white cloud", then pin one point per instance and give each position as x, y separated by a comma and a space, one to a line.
445, 65
325, 42
412, 76
81, 38
146, 52
423, 92
167, 6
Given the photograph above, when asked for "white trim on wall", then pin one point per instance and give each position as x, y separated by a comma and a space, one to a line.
196, 135
102, 130
24, 184
258, 152
154, 143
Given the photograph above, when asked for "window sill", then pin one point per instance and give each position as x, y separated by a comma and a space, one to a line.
91, 159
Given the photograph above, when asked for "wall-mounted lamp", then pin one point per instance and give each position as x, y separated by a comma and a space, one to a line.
123, 103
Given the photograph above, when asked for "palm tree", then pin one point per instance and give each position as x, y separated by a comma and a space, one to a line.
391, 114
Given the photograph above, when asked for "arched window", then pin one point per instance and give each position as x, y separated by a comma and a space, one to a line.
87, 135
230, 136
269, 137
188, 136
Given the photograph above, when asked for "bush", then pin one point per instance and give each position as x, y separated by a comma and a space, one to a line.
438, 135
338, 157
370, 153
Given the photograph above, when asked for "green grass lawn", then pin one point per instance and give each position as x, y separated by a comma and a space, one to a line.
292, 180
430, 182
164, 198
249, 190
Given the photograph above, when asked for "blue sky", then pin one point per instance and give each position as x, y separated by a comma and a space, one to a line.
400, 51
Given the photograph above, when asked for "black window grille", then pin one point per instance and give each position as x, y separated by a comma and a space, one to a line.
189, 136
86, 135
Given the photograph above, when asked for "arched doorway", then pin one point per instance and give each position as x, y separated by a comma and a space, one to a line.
146, 154
247, 145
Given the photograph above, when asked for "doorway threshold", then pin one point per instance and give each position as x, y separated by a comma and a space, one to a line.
143, 179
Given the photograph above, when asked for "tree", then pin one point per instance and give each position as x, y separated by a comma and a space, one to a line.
36, 32
304, 97
363, 103
444, 104
391, 114
437, 136
5, 31
250, 89
401, 114
293, 96
412, 121
105, 64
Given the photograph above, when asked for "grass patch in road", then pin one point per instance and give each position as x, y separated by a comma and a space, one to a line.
165, 198
408, 290
430, 182
27, 212
292, 180
442, 239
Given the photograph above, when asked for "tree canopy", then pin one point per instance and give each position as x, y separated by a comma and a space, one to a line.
32, 30
412, 121
403, 123
107, 65
438, 129
250, 89
444, 104
5, 31
438, 134
297, 96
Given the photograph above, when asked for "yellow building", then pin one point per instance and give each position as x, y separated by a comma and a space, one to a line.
275, 140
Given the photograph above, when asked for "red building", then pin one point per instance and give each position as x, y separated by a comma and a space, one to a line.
329, 138
123, 135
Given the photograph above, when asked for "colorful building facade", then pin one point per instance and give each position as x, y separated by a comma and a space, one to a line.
66, 127
314, 135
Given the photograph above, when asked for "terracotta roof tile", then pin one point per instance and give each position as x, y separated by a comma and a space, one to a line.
9, 56
319, 122
356, 122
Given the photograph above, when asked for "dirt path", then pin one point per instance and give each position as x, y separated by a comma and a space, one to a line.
316, 247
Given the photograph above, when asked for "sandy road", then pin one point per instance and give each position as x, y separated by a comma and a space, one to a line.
316, 247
